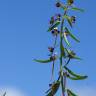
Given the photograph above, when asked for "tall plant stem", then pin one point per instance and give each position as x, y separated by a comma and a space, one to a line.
63, 78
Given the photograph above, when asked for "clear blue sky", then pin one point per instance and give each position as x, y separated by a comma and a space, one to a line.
23, 37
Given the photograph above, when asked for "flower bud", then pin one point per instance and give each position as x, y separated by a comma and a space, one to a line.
55, 31
51, 49
58, 16
73, 18
50, 85
58, 4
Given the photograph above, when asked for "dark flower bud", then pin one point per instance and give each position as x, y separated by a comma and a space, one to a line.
73, 18
68, 75
50, 85
51, 49
55, 31
52, 31
58, 4
58, 16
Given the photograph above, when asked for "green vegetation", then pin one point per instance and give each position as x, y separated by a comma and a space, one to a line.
60, 27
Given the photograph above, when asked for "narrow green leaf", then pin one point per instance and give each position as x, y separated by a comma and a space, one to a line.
70, 93
48, 91
68, 19
72, 56
43, 61
54, 26
76, 76
49, 94
71, 35
77, 9
66, 40
78, 58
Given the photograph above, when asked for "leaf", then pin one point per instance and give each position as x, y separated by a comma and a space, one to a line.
54, 89
70, 93
76, 76
77, 9
66, 40
49, 94
78, 58
71, 35
68, 19
53, 26
43, 61
48, 90
72, 56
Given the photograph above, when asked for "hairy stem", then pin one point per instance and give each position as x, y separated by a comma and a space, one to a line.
63, 79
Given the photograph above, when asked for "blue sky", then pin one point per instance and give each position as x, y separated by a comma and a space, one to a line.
24, 36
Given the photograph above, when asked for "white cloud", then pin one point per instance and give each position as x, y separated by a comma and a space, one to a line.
81, 91
87, 91
11, 92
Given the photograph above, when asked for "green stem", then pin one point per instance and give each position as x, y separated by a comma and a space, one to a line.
67, 62
63, 79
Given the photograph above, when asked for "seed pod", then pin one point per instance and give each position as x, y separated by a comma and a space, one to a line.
58, 4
